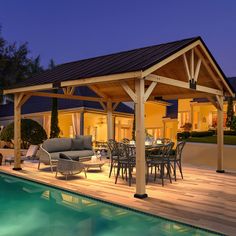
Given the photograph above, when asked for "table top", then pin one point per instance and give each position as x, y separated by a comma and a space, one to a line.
93, 163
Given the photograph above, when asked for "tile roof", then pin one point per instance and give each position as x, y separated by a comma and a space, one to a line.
43, 104
126, 61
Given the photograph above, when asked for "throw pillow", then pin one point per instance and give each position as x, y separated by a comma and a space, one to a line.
64, 156
77, 144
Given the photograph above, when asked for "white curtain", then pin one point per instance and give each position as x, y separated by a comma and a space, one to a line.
76, 123
47, 124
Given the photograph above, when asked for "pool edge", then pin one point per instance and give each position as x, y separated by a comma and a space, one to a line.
209, 230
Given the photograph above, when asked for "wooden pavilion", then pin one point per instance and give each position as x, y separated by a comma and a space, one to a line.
180, 69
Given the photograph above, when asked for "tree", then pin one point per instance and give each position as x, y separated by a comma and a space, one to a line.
15, 64
51, 64
31, 133
55, 130
230, 112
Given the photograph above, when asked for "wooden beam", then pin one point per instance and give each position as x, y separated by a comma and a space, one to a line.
64, 96
129, 91
182, 96
214, 102
24, 99
115, 106
71, 90
140, 140
27, 89
186, 66
103, 106
209, 70
216, 69
17, 132
192, 64
68, 90
181, 84
102, 79
196, 73
170, 58
149, 90
95, 89
218, 98
220, 135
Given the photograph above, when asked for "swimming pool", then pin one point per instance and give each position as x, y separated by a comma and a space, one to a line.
31, 209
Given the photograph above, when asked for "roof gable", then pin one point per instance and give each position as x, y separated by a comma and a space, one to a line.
128, 61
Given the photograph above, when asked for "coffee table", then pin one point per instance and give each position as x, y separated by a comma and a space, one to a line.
93, 164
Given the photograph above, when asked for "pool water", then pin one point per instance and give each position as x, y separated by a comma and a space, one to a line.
31, 209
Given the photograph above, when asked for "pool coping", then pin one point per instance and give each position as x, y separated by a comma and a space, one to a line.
111, 203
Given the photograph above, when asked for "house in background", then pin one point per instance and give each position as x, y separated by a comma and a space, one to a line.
200, 112
89, 118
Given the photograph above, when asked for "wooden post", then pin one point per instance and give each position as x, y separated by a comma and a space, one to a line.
220, 135
82, 123
110, 125
140, 140
17, 132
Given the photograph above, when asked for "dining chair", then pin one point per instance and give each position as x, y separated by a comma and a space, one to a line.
160, 161
176, 159
113, 148
125, 162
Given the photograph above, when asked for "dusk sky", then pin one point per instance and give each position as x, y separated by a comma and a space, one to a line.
68, 30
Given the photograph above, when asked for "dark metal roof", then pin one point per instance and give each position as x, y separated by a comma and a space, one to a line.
43, 104
128, 61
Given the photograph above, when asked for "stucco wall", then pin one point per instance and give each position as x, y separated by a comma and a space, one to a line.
202, 154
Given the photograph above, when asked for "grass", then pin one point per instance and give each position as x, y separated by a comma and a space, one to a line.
228, 139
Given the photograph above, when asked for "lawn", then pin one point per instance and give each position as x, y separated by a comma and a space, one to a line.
228, 139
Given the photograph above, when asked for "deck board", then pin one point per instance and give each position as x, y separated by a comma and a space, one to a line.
203, 198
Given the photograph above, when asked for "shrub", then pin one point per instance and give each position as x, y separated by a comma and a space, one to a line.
183, 135
31, 133
213, 131
201, 133
229, 132
233, 124
187, 127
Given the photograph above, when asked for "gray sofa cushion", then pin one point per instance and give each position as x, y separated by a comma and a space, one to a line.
74, 155
57, 144
77, 144
87, 141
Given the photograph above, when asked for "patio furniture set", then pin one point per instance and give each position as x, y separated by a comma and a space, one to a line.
72, 156
159, 156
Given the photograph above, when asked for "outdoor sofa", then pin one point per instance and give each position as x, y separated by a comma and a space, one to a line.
78, 149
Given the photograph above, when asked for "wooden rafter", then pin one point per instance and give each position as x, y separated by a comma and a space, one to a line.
170, 58
69, 90
213, 102
181, 84
20, 99
103, 105
66, 96
115, 106
191, 71
209, 70
149, 90
129, 91
95, 89
218, 98
216, 68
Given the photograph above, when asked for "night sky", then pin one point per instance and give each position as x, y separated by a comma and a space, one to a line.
68, 30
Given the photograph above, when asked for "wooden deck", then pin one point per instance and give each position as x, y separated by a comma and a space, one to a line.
204, 198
